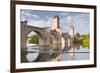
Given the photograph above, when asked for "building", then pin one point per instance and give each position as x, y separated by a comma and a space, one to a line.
71, 31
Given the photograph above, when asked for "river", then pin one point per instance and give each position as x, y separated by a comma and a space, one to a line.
44, 53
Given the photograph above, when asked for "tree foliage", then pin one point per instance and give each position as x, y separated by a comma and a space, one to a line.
34, 39
83, 40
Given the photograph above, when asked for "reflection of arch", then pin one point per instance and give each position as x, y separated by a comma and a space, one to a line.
56, 57
71, 50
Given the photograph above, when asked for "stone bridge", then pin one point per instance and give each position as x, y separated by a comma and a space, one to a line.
44, 34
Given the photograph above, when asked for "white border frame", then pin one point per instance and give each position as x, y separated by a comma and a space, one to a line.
52, 64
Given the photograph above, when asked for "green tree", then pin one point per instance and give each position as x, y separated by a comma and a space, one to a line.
34, 39
85, 40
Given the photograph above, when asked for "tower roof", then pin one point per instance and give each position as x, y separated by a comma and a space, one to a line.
55, 16
71, 26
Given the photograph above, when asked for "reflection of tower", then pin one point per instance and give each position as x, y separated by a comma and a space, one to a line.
71, 51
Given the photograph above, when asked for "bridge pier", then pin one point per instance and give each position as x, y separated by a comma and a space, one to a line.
23, 34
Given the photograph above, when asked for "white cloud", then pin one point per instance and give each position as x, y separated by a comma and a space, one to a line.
40, 23
69, 19
64, 14
65, 23
27, 15
80, 22
48, 22
35, 20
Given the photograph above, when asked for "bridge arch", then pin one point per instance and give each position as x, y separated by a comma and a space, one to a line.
26, 29
56, 36
53, 39
38, 33
34, 38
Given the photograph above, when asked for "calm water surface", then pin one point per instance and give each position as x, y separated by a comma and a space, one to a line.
43, 53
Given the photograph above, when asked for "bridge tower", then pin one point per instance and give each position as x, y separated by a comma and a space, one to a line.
55, 22
71, 34
71, 31
56, 27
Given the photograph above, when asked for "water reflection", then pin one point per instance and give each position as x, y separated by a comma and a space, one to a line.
55, 52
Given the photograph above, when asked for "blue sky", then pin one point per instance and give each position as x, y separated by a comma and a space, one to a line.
80, 20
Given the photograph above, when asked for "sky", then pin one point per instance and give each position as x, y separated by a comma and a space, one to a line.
80, 20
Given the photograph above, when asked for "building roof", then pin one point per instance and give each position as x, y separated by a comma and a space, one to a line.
55, 16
